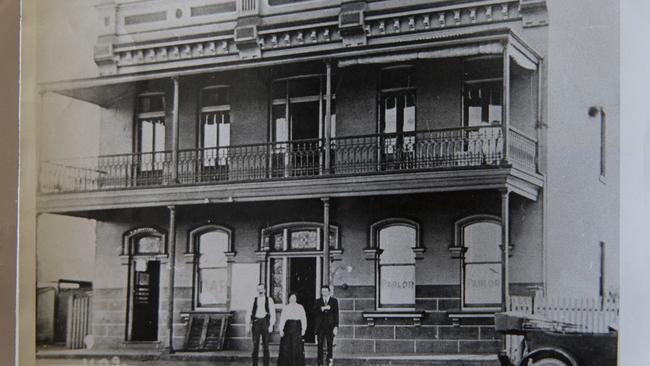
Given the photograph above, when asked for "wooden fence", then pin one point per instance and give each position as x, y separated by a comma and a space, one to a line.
78, 322
589, 315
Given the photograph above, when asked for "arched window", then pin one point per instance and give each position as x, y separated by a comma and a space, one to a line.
480, 239
397, 246
211, 248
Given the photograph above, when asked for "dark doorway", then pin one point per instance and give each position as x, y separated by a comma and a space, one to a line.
144, 292
302, 277
304, 134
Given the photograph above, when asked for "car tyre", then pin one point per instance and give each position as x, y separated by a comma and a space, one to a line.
548, 361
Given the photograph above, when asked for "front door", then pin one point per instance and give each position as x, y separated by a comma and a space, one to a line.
144, 294
302, 275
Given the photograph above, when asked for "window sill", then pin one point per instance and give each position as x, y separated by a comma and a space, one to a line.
186, 315
371, 316
457, 315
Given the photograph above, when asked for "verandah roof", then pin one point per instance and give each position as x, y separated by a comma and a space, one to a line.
106, 90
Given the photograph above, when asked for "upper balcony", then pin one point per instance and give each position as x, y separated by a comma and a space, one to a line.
459, 113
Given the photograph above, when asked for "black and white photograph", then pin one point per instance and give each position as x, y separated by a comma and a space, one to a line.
324, 182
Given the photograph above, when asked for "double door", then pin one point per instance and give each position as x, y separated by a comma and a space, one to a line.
297, 126
397, 129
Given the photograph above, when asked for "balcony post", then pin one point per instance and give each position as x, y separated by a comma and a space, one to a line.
328, 116
540, 116
326, 241
175, 130
505, 248
172, 270
505, 105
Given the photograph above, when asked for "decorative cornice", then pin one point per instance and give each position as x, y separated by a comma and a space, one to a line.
346, 31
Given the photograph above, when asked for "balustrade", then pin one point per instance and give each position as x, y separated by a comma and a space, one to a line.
350, 155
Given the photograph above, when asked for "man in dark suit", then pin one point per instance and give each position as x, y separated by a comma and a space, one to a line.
326, 323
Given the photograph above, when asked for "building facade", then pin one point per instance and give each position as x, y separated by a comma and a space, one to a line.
393, 150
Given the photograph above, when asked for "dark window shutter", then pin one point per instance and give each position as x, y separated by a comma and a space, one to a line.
206, 332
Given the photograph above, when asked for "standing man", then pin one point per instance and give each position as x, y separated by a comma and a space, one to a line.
326, 323
262, 316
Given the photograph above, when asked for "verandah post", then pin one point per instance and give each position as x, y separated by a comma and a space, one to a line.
505, 248
328, 116
326, 241
175, 129
172, 270
505, 105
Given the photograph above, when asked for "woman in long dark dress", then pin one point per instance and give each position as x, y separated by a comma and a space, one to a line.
293, 324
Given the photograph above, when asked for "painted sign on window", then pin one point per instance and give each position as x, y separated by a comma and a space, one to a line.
483, 283
397, 286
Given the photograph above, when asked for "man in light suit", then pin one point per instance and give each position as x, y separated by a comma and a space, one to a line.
326, 323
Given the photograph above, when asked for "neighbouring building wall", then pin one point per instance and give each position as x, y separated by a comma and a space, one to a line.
583, 208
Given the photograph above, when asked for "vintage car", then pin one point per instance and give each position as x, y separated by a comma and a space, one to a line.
552, 343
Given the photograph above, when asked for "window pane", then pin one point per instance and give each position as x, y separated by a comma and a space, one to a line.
483, 69
146, 136
397, 78
409, 113
397, 243
151, 103
212, 248
304, 87
209, 131
397, 285
215, 97
482, 241
276, 280
224, 134
390, 115
280, 125
159, 144
279, 90
213, 286
482, 283
304, 239
149, 245
277, 242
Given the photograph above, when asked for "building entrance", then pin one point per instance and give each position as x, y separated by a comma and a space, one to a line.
144, 301
302, 281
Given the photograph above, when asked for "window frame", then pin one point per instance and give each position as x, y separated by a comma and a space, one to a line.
460, 249
374, 252
488, 81
221, 160
193, 256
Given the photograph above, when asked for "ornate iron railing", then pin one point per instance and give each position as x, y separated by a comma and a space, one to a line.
350, 155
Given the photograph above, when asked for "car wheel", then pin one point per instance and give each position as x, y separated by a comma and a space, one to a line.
548, 361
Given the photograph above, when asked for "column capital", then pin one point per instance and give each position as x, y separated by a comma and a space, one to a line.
504, 191
171, 207
326, 200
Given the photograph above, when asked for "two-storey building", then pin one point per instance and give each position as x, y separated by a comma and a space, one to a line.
391, 149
